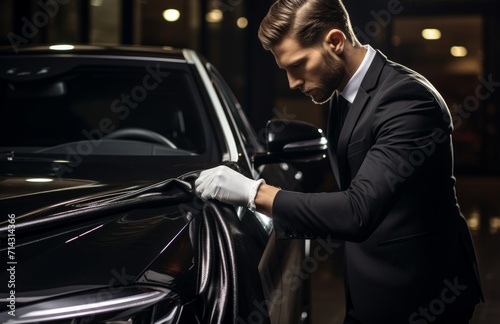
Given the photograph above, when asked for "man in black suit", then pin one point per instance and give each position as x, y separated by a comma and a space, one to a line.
409, 253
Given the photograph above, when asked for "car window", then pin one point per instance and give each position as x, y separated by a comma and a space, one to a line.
88, 103
244, 128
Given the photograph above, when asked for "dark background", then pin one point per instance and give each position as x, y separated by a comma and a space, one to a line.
469, 84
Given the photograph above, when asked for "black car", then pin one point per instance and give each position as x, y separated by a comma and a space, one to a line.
100, 147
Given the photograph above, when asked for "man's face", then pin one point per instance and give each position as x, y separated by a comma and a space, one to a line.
312, 70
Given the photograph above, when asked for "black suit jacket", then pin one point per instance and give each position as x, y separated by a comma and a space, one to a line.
409, 252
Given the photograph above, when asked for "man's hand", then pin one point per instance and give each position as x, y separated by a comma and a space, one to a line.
226, 185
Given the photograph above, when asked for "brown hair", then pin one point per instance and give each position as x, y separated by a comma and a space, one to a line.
306, 20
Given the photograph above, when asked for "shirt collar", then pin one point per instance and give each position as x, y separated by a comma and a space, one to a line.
351, 89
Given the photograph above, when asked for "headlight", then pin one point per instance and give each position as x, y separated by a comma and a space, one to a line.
127, 305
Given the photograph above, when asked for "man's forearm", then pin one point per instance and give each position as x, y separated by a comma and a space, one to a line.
264, 199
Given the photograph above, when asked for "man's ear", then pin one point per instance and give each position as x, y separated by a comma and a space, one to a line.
335, 41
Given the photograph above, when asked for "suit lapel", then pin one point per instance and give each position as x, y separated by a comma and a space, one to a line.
352, 116
332, 115
360, 102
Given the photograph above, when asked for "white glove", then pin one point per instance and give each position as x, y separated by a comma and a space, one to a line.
226, 185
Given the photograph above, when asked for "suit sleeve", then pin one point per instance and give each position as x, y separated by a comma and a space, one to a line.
410, 123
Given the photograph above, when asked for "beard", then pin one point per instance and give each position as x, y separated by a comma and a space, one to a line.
329, 80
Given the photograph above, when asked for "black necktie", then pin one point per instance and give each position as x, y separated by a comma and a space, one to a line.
341, 108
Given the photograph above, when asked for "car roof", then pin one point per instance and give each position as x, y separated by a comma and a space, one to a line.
165, 52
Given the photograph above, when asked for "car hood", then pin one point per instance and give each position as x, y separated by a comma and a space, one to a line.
31, 190
80, 233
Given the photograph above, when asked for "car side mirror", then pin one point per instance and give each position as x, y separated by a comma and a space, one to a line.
292, 141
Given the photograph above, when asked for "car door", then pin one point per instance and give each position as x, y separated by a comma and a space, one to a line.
286, 292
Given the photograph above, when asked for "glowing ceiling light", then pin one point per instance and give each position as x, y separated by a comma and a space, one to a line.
431, 33
242, 22
474, 220
60, 161
39, 180
214, 16
458, 51
171, 15
62, 47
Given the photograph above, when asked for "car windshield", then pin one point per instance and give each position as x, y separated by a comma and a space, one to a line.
111, 108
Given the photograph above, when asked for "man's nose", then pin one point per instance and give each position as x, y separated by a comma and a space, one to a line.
294, 83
